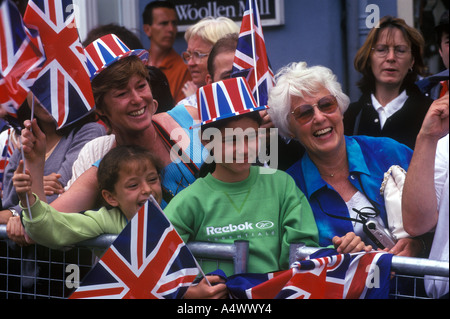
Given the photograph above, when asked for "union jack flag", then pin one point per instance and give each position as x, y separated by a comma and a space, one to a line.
251, 59
21, 57
63, 86
324, 275
148, 260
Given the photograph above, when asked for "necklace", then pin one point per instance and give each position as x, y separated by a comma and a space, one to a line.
333, 174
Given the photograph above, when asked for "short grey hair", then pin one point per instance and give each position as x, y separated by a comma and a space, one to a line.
299, 80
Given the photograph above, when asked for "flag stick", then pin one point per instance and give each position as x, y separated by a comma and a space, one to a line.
153, 200
255, 69
23, 157
202, 272
26, 195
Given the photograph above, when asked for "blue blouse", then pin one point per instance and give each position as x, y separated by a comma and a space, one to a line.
369, 158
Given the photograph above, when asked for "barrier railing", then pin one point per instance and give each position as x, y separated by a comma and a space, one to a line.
39, 272
408, 272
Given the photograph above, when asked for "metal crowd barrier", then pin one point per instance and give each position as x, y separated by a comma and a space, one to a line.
408, 273
36, 272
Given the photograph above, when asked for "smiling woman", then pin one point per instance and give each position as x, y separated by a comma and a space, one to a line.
120, 83
340, 176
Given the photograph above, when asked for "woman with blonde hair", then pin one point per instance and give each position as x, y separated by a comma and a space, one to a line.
200, 39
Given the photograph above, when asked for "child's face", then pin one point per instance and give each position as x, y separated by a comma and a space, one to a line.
135, 184
239, 150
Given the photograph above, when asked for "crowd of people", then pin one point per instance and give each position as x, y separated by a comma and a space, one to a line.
342, 148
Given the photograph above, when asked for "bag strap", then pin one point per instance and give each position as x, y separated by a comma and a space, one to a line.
191, 166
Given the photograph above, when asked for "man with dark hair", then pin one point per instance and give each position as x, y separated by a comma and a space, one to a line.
160, 25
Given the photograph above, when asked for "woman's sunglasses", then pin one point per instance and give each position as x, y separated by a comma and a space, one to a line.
305, 113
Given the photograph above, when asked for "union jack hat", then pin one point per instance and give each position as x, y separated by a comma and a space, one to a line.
106, 50
224, 99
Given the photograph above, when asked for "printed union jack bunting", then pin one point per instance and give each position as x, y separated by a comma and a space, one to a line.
21, 57
148, 260
63, 86
325, 275
251, 59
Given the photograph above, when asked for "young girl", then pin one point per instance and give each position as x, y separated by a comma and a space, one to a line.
127, 176
238, 200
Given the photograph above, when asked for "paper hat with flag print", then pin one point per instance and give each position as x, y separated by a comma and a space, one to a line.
106, 50
225, 99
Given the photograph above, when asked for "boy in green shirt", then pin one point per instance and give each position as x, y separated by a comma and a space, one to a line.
237, 200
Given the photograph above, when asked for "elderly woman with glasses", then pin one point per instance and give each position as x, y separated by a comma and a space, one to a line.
391, 104
340, 175
200, 39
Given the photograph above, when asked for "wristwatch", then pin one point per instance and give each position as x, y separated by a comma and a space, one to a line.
14, 212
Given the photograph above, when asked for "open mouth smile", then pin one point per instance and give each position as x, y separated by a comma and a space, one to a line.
323, 132
137, 113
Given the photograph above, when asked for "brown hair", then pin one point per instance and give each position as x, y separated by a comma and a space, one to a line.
122, 157
116, 76
362, 58
226, 44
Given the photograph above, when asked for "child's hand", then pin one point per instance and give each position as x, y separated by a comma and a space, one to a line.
33, 142
218, 290
17, 233
22, 184
350, 243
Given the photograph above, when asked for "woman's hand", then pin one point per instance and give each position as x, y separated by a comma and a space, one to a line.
409, 247
189, 88
52, 185
350, 243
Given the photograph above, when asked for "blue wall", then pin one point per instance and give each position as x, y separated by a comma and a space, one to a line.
316, 31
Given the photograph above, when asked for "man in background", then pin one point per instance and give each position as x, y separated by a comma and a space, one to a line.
160, 25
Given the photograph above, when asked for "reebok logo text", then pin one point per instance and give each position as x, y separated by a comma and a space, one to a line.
228, 229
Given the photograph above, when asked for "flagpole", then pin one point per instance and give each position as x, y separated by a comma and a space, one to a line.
255, 69
202, 272
26, 194
23, 156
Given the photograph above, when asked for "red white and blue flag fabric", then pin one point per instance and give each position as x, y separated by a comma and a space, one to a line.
325, 275
251, 59
225, 99
148, 260
63, 86
21, 57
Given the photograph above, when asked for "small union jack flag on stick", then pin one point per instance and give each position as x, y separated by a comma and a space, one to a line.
63, 86
21, 57
251, 59
148, 260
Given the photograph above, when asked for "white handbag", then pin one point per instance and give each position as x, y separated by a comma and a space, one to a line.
391, 189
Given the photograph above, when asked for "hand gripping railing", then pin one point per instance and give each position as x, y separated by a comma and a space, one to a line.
401, 265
